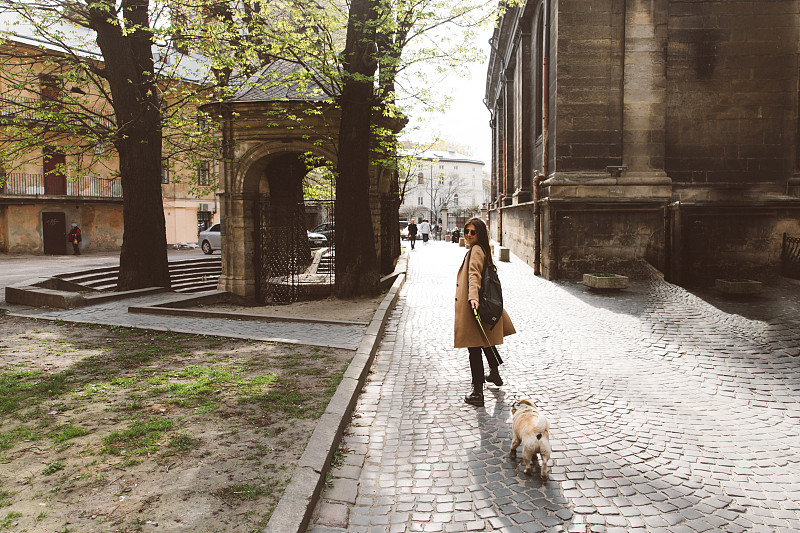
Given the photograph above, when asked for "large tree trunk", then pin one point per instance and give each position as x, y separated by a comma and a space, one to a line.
357, 270
129, 70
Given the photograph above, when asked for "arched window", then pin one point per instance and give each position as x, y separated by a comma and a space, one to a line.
455, 200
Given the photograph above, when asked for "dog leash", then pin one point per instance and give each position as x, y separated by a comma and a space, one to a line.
493, 349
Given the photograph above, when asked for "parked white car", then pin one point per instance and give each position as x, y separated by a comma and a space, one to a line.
316, 240
209, 240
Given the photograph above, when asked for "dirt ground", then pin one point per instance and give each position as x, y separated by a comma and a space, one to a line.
354, 310
107, 429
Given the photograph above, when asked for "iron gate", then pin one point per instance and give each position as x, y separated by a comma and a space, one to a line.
287, 267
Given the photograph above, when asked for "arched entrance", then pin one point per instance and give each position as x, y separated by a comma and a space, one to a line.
286, 266
265, 149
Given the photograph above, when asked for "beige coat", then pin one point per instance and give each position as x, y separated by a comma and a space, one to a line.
468, 284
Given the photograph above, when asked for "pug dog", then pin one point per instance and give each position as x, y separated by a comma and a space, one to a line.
530, 427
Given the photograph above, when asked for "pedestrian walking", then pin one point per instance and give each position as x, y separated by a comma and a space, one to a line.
75, 238
467, 333
425, 229
412, 233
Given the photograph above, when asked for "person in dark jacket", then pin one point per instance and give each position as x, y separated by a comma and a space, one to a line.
412, 233
75, 238
467, 334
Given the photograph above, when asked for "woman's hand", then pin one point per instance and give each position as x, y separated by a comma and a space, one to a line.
474, 304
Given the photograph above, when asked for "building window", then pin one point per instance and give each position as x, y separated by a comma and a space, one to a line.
419, 200
50, 91
202, 123
203, 175
164, 171
203, 219
455, 199
420, 179
441, 180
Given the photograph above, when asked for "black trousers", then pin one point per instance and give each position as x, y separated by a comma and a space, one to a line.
476, 362
412, 238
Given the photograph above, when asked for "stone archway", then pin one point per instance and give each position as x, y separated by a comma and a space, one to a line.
261, 159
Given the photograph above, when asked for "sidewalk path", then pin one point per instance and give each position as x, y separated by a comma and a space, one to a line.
15, 269
669, 412
115, 313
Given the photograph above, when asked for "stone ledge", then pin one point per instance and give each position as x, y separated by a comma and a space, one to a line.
41, 292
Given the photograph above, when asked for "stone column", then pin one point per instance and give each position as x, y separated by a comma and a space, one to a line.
644, 88
238, 244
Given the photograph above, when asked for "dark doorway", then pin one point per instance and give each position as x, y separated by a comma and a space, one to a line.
54, 233
55, 180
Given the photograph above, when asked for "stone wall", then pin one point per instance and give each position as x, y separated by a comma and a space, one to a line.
587, 116
729, 242
732, 92
605, 237
518, 234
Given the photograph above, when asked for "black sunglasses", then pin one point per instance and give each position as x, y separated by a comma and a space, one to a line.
470, 232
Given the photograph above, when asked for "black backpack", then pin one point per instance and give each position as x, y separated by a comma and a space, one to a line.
490, 296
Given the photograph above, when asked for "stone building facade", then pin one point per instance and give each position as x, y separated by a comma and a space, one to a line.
40, 192
657, 130
443, 181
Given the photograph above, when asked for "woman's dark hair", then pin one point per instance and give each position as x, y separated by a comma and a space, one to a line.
483, 236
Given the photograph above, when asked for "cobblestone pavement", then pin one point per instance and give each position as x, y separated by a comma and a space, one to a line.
670, 411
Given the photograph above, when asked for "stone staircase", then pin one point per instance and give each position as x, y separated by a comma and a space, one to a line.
326, 264
186, 276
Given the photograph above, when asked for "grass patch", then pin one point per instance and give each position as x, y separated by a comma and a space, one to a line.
53, 467
154, 396
5, 498
28, 387
9, 519
9, 438
66, 432
181, 443
140, 438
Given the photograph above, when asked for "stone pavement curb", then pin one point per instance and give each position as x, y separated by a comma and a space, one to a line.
294, 510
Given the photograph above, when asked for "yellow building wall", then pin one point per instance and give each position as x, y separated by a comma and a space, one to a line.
101, 226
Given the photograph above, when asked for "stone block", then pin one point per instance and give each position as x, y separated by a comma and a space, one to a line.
605, 281
738, 286
504, 254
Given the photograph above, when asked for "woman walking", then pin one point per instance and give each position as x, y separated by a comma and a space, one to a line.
467, 333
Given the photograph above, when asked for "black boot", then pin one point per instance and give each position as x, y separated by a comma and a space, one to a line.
494, 377
476, 396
